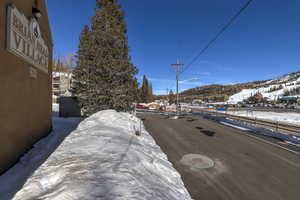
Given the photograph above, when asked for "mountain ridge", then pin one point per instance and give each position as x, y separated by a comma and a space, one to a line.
272, 89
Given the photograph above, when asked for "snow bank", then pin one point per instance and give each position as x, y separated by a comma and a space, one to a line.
55, 107
290, 118
13, 180
104, 159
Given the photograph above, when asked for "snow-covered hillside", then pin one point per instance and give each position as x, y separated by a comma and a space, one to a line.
272, 89
104, 159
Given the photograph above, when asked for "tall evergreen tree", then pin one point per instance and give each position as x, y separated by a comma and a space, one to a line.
145, 90
110, 78
171, 97
137, 93
150, 93
81, 84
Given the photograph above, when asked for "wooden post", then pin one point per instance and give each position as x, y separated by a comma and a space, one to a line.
141, 126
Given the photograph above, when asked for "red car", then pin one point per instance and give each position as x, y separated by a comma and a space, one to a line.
141, 107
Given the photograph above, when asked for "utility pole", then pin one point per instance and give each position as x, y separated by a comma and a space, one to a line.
167, 97
177, 65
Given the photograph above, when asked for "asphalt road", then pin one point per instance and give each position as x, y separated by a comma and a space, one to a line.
244, 168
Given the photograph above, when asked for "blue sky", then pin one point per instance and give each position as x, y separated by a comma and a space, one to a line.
262, 44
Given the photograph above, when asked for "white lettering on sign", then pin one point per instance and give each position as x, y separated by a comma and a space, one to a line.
24, 39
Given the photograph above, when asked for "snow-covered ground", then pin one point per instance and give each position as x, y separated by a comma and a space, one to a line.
55, 107
101, 159
13, 180
290, 118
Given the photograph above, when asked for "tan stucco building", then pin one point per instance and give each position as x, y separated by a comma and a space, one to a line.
25, 77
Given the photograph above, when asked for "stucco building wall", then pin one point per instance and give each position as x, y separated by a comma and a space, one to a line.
25, 101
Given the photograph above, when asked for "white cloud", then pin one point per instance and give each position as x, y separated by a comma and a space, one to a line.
160, 92
161, 80
225, 82
204, 73
216, 66
192, 81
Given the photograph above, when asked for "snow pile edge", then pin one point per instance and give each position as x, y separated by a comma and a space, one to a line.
104, 159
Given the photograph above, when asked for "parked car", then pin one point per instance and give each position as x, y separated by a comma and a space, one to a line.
163, 108
141, 107
297, 106
290, 106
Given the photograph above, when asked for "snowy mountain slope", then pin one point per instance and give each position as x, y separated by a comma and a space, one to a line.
104, 159
272, 89
292, 77
222, 93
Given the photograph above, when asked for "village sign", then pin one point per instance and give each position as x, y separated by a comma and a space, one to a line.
24, 39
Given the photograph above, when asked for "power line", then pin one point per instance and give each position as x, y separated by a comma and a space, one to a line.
218, 34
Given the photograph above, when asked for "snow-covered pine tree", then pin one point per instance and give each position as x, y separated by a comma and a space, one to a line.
107, 80
113, 72
81, 83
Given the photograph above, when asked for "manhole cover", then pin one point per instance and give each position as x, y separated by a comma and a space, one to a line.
197, 161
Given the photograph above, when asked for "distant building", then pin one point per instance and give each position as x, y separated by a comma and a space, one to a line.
162, 102
154, 106
61, 83
290, 99
197, 101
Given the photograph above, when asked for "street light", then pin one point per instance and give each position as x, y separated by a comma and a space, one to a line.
36, 13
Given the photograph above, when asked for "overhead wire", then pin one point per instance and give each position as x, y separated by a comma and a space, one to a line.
232, 19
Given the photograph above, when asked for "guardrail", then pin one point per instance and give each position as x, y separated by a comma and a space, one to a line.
277, 126
258, 126
158, 111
